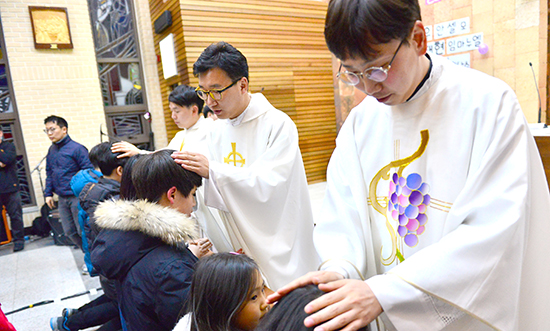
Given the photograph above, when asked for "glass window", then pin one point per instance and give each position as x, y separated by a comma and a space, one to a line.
127, 125
112, 26
119, 67
120, 84
5, 99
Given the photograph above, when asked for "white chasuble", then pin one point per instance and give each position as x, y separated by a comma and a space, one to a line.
442, 203
258, 184
194, 138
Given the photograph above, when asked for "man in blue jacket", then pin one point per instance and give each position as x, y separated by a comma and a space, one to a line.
9, 191
65, 158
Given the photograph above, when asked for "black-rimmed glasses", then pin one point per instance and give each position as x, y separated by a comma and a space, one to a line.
214, 94
377, 74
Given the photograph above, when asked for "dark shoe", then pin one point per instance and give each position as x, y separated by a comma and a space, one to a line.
56, 323
18, 246
68, 312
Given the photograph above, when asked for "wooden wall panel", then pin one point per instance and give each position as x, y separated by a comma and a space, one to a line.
543, 143
288, 59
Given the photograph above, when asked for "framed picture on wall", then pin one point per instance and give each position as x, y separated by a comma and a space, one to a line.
50, 27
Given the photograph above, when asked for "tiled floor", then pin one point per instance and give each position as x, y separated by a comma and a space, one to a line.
39, 273
44, 271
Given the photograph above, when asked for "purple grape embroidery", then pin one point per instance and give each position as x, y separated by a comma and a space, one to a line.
408, 201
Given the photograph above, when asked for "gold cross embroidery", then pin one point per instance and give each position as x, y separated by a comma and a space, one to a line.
228, 159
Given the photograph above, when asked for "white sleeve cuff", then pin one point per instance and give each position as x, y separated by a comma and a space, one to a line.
212, 196
407, 307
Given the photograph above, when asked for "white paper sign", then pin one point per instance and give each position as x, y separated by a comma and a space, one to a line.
461, 59
436, 47
464, 43
429, 30
168, 56
452, 28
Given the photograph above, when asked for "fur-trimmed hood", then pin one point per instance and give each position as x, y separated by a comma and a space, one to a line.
151, 219
139, 232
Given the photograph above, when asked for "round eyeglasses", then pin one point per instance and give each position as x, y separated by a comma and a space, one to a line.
214, 94
376, 74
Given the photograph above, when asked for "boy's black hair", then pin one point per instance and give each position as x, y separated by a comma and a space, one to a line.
353, 27
288, 314
106, 160
154, 174
127, 189
221, 284
57, 120
224, 56
185, 96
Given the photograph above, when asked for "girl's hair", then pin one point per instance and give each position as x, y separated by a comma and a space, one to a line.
221, 285
288, 314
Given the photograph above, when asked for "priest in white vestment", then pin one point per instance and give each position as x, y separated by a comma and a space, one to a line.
186, 108
255, 174
436, 193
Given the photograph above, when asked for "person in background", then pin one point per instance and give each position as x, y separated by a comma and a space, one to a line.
9, 191
436, 194
65, 158
186, 108
208, 113
104, 309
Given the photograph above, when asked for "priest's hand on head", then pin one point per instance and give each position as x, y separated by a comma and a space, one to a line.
127, 149
348, 305
314, 277
195, 162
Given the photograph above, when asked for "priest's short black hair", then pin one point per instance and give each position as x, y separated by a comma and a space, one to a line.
224, 56
353, 27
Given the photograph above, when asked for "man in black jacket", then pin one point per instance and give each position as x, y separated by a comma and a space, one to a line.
65, 158
9, 191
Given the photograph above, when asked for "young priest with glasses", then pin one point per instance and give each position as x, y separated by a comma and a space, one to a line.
255, 177
436, 193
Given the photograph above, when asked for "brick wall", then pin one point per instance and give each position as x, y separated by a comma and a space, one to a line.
65, 82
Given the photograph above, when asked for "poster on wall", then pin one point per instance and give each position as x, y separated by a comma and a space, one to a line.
429, 34
436, 47
460, 59
452, 28
168, 56
464, 43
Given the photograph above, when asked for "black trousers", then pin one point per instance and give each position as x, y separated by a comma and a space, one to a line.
101, 311
12, 201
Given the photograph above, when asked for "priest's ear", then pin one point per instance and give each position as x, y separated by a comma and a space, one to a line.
419, 40
243, 85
